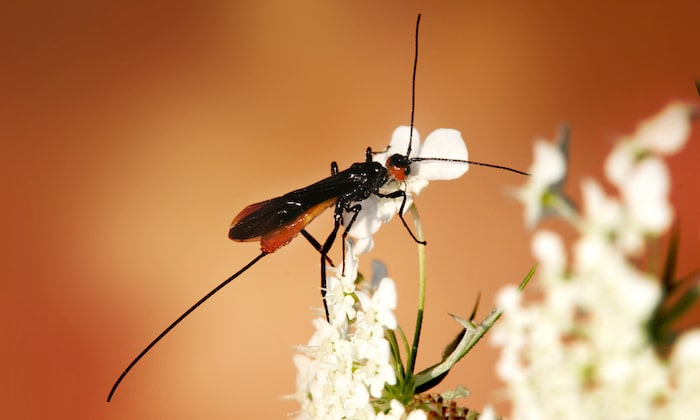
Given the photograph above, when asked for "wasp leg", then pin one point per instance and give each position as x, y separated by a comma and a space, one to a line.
317, 246
337, 217
402, 193
355, 210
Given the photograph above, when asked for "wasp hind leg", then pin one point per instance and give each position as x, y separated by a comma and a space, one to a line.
338, 218
317, 245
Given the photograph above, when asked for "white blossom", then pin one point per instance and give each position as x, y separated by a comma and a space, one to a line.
661, 135
645, 194
685, 373
443, 143
347, 362
547, 174
582, 350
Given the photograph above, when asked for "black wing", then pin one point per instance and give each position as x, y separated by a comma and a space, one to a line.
260, 218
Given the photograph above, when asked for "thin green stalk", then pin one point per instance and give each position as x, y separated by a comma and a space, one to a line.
398, 363
411, 360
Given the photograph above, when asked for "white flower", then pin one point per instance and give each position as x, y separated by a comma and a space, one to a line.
582, 350
382, 303
547, 174
341, 305
646, 193
603, 215
666, 132
488, 413
340, 289
662, 135
636, 169
443, 143
347, 362
548, 249
417, 415
685, 370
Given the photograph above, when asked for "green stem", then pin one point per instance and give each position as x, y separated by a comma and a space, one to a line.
411, 360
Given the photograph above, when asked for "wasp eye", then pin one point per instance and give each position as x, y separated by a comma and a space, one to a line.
399, 161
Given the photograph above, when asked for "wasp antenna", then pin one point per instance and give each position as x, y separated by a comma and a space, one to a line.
488, 165
505, 168
413, 88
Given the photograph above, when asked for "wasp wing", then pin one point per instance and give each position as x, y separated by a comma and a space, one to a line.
267, 216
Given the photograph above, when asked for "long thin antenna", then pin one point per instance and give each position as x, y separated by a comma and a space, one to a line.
177, 321
488, 165
413, 88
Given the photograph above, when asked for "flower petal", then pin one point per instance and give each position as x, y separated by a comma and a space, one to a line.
619, 163
667, 131
399, 143
646, 195
550, 164
548, 249
443, 143
368, 220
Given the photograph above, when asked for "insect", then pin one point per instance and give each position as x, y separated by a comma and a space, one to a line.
277, 221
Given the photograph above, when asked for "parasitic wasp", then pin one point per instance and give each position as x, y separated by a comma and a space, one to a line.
275, 222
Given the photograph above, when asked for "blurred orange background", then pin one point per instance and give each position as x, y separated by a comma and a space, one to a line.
133, 132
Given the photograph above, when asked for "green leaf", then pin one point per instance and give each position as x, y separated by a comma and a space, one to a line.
527, 278
669, 271
678, 296
461, 344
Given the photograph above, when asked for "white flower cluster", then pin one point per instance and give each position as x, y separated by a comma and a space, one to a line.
348, 361
582, 351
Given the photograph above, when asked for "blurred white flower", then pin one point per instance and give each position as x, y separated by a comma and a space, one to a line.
645, 194
542, 193
685, 371
661, 135
666, 132
487, 413
548, 249
582, 350
636, 169
602, 214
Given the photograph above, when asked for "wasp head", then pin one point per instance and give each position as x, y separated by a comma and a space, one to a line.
398, 166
